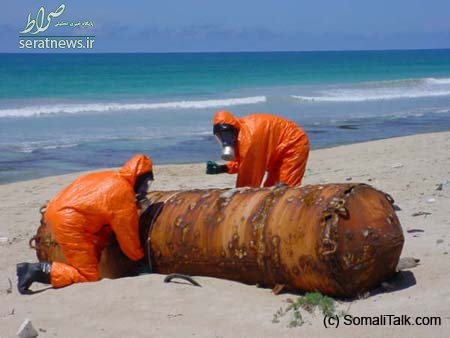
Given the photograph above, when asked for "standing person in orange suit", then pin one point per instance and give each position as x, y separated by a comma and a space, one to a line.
258, 143
82, 217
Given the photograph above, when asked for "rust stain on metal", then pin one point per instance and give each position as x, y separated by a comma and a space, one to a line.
258, 226
276, 250
309, 198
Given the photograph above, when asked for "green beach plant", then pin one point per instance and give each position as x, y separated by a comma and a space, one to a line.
309, 303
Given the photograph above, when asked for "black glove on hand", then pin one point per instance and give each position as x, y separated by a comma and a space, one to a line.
213, 168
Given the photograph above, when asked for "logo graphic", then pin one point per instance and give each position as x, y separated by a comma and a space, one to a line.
42, 22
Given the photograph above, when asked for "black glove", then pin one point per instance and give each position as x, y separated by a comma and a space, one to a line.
214, 168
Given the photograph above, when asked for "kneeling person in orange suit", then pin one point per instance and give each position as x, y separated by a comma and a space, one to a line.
258, 143
83, 215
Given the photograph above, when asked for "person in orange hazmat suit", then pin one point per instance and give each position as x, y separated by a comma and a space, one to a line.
258, 143
82, 217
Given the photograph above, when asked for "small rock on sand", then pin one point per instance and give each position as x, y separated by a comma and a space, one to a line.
27, 330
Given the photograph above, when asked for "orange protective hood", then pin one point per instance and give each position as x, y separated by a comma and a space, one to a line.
136, 166
225, 117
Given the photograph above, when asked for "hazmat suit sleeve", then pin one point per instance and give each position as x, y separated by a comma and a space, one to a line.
125, 224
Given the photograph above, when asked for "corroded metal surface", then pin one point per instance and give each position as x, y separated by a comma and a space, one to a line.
340, 239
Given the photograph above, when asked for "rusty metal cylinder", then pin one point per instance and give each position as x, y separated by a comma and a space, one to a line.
339, 239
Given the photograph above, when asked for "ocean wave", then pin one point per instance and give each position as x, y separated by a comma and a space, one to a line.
433, 80
382, 90
358, 97
34, 146
112, 107
443, 111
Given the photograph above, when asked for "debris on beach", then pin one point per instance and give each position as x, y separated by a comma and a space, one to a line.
27, 330
9, 289
440, 186
187, 278
277, 289
421, 213
412, 231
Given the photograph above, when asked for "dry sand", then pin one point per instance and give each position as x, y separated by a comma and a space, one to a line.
408, 168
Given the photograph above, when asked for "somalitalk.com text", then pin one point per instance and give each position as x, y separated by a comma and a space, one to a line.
381, 320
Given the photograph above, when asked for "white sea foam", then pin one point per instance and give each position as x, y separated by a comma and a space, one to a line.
29, 147
432, 80
112, 107
383, 90
441, 111
355, 96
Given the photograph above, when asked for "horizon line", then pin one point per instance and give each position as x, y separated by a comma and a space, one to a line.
231, 52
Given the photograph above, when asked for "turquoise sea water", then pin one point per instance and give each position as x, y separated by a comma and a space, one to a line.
68, 112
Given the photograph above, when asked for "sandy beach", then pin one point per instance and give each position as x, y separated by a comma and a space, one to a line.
414, 170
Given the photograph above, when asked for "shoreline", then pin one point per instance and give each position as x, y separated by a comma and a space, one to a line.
156, 165
414, 170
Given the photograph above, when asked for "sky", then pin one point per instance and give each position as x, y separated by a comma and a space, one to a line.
244, 25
